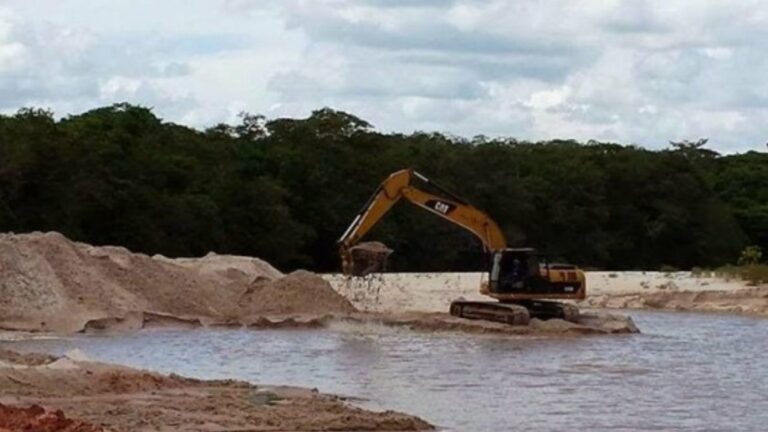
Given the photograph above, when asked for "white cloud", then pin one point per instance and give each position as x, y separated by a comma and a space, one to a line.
546, 99
12, 52
641, 71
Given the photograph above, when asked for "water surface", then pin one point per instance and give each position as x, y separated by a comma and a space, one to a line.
686, 372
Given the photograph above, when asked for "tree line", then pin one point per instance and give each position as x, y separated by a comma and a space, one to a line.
285, 189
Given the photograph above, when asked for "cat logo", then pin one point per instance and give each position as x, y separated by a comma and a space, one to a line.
441, 206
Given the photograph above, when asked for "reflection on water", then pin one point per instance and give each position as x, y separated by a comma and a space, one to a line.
686, 372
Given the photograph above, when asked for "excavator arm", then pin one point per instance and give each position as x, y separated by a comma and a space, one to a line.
400, 185
516, 279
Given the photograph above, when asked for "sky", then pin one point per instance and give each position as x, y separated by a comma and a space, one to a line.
629, 71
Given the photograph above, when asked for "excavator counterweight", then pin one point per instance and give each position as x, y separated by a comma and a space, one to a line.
521, 280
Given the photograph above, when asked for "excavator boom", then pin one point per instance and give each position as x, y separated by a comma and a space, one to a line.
400, 185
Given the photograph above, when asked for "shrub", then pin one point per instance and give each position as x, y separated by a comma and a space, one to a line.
701, 272
750, 255
668, 269
754, 273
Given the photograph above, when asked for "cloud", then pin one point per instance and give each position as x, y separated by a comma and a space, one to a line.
631, 71
639, 71
74, 69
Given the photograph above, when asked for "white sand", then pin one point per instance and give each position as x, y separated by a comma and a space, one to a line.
393, 292
612, 283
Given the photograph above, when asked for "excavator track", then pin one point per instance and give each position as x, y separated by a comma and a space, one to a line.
506, 313
519, 313
570, 312
545, 310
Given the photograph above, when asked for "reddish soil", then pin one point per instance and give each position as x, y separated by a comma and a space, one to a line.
37, 419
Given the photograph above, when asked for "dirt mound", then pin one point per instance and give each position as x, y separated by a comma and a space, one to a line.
300, 292
38, 419
49, 283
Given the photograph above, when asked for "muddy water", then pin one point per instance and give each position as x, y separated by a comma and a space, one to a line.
687, 372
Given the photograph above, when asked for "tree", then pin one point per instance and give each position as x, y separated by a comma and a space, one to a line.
285, 189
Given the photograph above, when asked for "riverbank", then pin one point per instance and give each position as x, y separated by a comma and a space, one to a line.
119, 399
682, 291
51, 284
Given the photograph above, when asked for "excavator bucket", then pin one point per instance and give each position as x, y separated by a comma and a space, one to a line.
368, 257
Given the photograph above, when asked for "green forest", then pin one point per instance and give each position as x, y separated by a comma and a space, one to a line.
285, 189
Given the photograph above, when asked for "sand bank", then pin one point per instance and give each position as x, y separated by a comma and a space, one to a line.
675, 291
588, 323
124, 399
620, 290
51, 284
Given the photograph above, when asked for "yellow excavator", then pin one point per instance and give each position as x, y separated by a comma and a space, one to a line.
521, 280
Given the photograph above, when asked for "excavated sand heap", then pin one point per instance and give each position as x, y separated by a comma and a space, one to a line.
49, 283
288, 296
227, 268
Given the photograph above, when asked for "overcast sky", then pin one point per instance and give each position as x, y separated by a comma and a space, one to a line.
631, 71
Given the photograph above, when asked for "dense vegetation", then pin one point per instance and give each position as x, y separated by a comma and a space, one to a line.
285, 189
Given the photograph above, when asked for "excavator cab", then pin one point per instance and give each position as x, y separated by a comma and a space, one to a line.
514, 270
520, 273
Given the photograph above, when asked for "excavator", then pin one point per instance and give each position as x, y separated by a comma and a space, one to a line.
522, 281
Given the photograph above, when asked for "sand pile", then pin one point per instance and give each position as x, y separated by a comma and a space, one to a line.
288, 296
49, 283
227, 268
124, 399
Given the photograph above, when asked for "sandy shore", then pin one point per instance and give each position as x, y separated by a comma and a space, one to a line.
49, 283
617, 290
122, 399
677, 291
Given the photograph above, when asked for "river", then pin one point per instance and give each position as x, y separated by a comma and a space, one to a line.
686, 372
